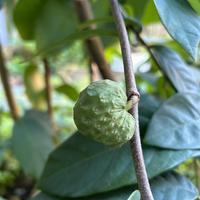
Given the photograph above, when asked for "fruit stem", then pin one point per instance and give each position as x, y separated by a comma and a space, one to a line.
129, 105
131, 91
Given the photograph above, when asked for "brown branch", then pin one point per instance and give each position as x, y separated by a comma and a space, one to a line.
47, 72
131, 89
7, 88
94, 45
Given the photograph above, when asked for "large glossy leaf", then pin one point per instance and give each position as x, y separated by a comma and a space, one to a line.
174, 187
81, 167
182, 23
169, 186
73, 164
120, 194
32, 142
176, 124
148, 105
180, 75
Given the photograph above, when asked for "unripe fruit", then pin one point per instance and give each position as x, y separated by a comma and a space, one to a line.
101, 113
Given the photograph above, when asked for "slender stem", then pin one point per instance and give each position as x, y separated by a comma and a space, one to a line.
148, 48
7, 88
131, 88
48, 88
94, 45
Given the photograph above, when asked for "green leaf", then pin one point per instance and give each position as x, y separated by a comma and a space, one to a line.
46, 21
120, 194
176, 124
53, 21
182, 23
147, 18
174, 187
57, 19
69, 91
138, 7
77, 158
175, 69
169, 186
135, 196
31, 141
195, 5
72, 165
147, 107
78, 35
141, 9
26, 14
102, 9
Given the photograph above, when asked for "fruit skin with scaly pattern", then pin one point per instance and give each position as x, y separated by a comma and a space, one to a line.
101, 113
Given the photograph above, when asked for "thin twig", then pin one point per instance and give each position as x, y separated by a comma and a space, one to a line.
131, 89
148, 48
7, 88
48, 90
94, 44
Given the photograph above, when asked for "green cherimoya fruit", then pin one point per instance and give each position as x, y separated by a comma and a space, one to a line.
101, 113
